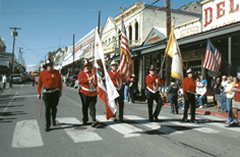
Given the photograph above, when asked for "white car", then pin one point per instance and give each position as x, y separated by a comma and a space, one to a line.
76, 84
17, 78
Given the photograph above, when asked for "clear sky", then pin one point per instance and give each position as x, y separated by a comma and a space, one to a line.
46, 24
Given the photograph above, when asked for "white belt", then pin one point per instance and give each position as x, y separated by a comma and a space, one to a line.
50, 91
86, 89
191, 92
153, 91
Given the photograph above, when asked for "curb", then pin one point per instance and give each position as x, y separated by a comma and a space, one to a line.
206, 112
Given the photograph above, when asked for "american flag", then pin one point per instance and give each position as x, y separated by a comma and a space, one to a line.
125, 58
212, 58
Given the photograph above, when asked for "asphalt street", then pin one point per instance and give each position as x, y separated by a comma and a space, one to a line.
22, 131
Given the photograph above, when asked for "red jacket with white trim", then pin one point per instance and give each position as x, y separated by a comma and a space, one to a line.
152, 81
88, 88
117, 79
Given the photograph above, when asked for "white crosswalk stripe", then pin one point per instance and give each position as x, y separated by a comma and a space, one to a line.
126, 129
27, 132
27, 135
78, 135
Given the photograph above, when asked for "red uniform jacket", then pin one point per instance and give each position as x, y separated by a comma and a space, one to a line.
87, 87
152, 82
237, 94
117, 79
188, 85
49, 79
33, 78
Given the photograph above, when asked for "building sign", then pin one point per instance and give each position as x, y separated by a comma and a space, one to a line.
219, 13
189, 31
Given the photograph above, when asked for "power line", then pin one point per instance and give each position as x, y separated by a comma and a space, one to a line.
29, 49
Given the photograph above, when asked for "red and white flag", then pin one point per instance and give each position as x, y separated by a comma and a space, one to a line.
125, 58
106, 88
212, 58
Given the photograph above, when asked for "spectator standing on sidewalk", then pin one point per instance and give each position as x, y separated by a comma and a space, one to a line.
173, 96
132, 89
213, 82
164, 99
235, 105
229, 95
223, 95
4, 81
217, 92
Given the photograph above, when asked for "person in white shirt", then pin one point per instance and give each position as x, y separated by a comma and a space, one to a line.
201, 94
4, 80
229, 95
223, 95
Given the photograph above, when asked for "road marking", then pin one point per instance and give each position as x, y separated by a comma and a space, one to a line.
78, 135
126, 129
27, 135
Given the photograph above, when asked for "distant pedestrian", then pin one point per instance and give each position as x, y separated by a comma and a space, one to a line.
4, 80
173, 96
132, 88
50, 79
33, 80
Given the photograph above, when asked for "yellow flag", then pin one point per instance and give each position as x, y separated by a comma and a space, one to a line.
173, 51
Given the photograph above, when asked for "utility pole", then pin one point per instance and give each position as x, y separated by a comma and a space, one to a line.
73, 55
14, 34
20, 58
99, 13
168, 26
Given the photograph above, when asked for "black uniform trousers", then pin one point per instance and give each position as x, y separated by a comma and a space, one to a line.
51, 101
33, 83
191, 100
88, 101
150, 97
120, 102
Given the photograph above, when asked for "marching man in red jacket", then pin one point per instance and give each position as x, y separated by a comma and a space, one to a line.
189, 90
50, 79
88, 92
153, 83
118, 80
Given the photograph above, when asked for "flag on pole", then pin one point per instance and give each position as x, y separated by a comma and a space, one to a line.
106, 89
125, 58
173, 51
212, 59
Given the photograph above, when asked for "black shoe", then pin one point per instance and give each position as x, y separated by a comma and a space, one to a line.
194, 121
94, 123
47, 129
84, 122
156, 118
115, 119
184, 120
54, 123
151, 119
233, 124
121, 120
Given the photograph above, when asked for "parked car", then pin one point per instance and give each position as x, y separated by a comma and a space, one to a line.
17, 78
76, 84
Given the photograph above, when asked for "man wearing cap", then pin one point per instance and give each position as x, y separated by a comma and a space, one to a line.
153, 83
189, 90
50, 79
88, 92
118, 80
